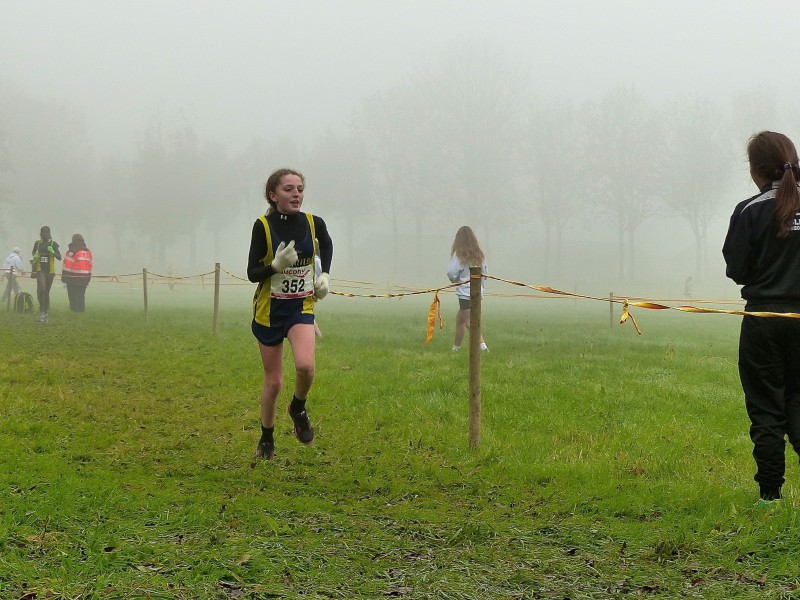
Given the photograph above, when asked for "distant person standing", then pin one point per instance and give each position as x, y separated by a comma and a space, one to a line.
12, 269
45, 254
688, 287
281, 261
762, 254
77, 272
465, 253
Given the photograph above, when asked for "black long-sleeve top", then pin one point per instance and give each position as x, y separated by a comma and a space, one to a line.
768, 267
287, 227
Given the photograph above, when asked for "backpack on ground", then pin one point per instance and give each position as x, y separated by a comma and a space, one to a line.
23, 303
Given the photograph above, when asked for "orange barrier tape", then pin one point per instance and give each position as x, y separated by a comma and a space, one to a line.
398, 295
721, 311
434, 311
234, 275
435, 308
182, 277
626, 314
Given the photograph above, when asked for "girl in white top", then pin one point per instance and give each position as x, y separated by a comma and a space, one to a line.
465, 253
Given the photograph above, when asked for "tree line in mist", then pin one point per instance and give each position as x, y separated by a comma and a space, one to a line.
469, 139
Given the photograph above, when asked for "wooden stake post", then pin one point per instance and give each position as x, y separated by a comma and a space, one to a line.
216, 298
475, 356
611, 310
144, 287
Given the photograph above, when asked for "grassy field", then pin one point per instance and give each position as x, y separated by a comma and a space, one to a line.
610, 465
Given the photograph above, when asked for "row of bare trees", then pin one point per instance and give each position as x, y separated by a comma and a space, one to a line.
473, 140
469, 138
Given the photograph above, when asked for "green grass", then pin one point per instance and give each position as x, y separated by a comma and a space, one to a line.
609, 465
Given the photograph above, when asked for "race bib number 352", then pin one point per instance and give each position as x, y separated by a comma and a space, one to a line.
295, 282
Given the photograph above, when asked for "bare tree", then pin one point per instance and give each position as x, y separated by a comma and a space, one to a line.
477, 98
447, 144
341, 183
558, 174
215, 191
701, 165
180, 185
162, 177
116, 203
5, 171
625, 151
391, 134
50, 163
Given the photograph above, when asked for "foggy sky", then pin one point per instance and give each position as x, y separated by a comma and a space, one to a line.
238, 69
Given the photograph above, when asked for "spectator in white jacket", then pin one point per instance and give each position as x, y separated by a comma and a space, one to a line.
12, 269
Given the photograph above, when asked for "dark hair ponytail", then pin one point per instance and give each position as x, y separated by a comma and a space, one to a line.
788, 200
773, 157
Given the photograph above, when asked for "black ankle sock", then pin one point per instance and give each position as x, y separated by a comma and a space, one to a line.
770, 493
266, 434
297, 406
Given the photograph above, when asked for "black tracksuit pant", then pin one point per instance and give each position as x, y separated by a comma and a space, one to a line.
769, 368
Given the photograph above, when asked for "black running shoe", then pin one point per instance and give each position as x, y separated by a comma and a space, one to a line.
302, 427
265, 450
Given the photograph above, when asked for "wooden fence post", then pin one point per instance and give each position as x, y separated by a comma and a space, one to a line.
611, 310
475, 356
216, 298
144, 287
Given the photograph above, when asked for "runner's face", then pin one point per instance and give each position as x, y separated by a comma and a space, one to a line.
288, 196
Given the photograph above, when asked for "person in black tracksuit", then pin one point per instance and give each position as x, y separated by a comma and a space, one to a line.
762, 254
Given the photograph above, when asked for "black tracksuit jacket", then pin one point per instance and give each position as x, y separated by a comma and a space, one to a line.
766, 266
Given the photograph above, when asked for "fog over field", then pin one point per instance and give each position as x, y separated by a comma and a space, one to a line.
593, 146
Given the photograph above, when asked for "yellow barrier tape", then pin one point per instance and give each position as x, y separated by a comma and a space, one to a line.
626, 314
234, 275
150, 273
414, 293
435, 308
721, 311
626, 304
434, 311
544, 288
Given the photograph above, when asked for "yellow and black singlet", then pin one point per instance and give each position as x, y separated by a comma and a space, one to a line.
281, 295
44, 260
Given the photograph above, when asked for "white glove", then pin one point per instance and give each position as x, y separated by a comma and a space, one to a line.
285, 256
321, 284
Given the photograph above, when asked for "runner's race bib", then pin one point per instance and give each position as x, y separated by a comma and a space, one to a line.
294, 282
44, 256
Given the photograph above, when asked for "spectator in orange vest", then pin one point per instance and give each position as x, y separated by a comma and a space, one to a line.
77, 272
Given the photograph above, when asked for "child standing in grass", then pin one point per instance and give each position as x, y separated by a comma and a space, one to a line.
465, 253
762, 254
281, 261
